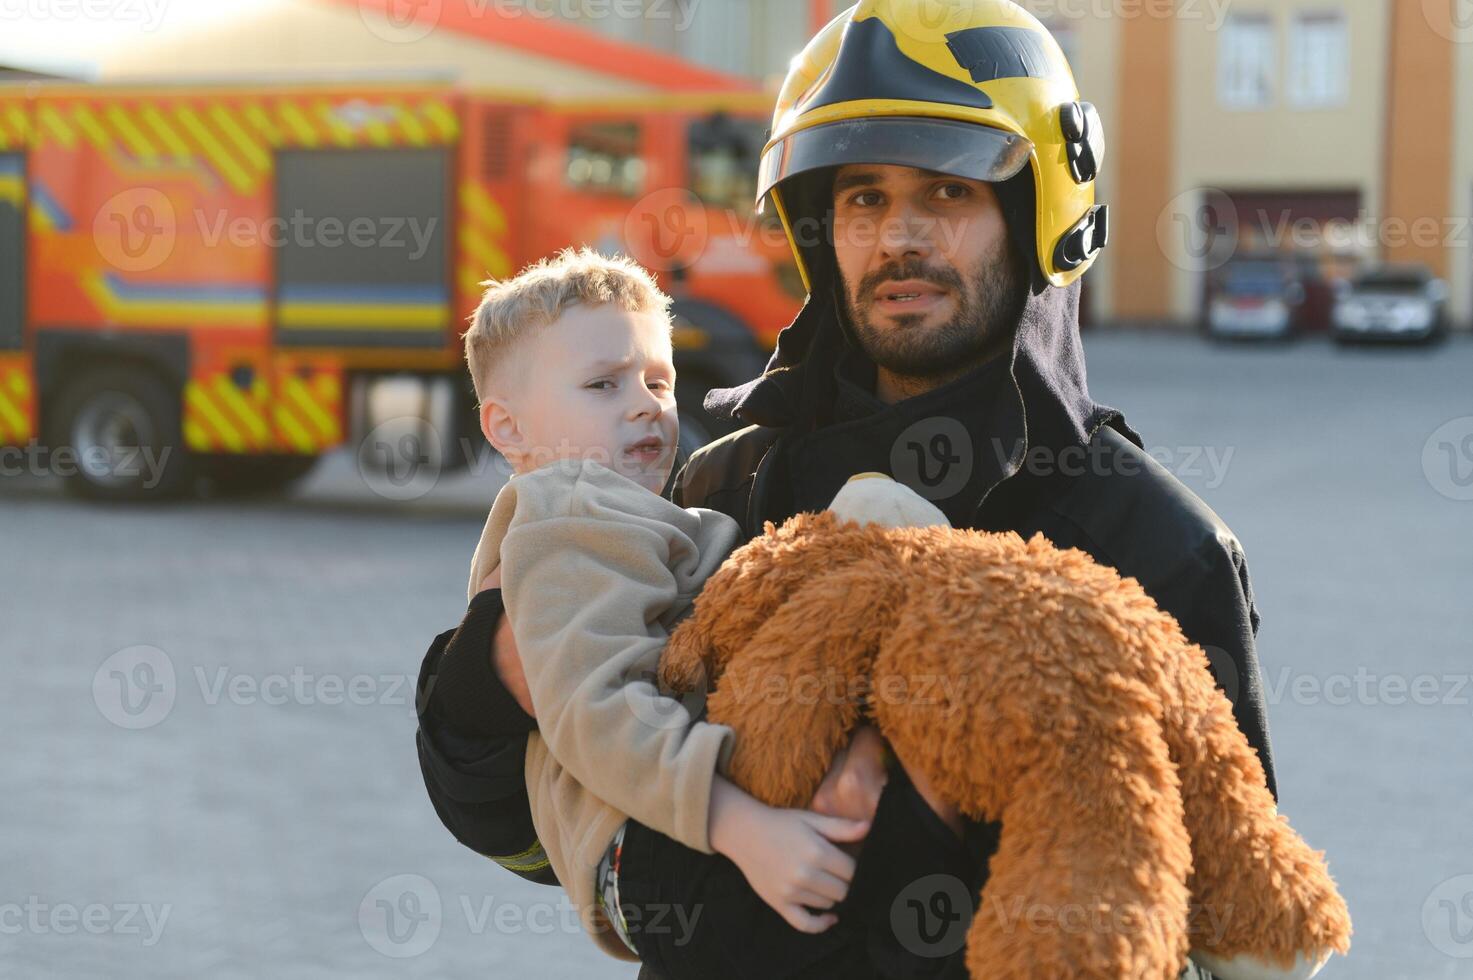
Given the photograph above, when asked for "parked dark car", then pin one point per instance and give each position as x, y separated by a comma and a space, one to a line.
1256, 298
1392, 302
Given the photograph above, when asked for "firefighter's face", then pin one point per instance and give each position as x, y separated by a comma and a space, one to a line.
599, 383
930, 279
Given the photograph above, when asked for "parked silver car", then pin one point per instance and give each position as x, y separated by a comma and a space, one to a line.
1255, 298
1391, 302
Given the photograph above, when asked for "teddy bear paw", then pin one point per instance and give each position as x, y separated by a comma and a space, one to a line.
874, 498
1247, 967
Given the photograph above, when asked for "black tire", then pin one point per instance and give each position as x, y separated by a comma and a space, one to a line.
121, 426
246, 476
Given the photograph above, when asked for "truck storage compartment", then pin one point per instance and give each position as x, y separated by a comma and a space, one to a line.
362, 258
12, 250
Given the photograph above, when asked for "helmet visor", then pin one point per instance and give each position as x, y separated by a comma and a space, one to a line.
947, 146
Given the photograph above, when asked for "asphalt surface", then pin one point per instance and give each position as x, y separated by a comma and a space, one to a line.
210, 722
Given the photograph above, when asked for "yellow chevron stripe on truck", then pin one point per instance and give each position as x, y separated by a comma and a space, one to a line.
220, 417
17, 417
308, 411
234, 136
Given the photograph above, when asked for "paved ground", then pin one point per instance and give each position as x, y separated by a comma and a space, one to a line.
260, 812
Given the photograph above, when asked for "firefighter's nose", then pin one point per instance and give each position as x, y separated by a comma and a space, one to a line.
904, 232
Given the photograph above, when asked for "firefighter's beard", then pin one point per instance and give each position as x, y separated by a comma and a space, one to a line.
982, 325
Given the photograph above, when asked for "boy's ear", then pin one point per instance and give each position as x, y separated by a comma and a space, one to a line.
499, 426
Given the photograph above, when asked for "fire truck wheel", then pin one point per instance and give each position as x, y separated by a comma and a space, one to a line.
122, 427
237, 476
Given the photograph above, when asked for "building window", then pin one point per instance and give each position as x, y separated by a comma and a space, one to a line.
721, 35
1247, 53
1319, 60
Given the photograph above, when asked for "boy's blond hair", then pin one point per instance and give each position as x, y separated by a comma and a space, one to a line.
513, 308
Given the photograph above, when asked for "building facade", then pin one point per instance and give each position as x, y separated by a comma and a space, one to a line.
1338, 131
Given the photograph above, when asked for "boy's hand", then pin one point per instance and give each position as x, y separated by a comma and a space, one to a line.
856, 778
504, 657
789, 857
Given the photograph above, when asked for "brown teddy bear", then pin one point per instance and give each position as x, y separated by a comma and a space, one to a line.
1031, 686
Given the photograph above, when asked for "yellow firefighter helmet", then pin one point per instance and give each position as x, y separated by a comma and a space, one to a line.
970, 88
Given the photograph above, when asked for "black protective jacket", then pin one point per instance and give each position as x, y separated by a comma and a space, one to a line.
1016, 444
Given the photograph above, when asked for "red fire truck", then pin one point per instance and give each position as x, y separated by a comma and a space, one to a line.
226, 272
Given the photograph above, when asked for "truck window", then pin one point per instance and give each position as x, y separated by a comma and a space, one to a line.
605, 158
724, 153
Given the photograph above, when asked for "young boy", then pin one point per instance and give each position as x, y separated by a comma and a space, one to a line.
572, 364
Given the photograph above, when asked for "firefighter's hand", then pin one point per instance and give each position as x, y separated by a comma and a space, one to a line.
504, 657
855, 780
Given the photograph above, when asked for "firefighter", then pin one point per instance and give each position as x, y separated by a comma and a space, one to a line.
935, 170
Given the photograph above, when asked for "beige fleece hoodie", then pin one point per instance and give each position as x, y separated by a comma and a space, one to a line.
597, 571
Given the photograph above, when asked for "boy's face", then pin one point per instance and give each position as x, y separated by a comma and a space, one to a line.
598, 383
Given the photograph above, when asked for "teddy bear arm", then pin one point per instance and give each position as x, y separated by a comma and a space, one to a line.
1089, 879
743, 593
1264, 904
795, 691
